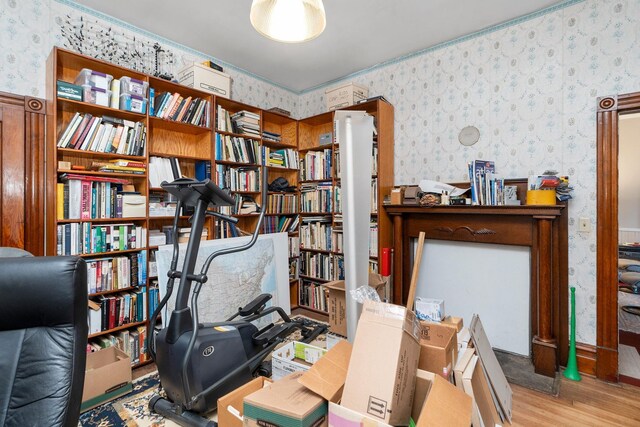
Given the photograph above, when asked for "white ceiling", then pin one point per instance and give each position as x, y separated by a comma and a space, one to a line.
359, 33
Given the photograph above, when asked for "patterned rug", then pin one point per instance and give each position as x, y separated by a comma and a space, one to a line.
131, 410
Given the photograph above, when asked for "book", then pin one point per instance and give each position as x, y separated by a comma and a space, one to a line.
115, 94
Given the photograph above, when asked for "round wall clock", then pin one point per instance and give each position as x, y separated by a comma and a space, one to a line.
469, 135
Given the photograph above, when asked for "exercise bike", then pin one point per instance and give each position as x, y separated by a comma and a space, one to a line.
198, 363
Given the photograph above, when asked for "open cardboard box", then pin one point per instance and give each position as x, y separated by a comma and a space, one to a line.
337, 303
230, 408
107, 376
438, 347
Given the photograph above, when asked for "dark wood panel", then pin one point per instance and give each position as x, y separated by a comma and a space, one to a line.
609, 108
22, 132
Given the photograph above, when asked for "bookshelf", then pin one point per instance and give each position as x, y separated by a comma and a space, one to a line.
229, 142
321, 243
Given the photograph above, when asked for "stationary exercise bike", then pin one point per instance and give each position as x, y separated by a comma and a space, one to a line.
198, 363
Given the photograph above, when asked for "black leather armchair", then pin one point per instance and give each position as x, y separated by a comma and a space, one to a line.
43, 338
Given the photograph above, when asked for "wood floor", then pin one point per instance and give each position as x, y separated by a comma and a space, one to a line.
586, 403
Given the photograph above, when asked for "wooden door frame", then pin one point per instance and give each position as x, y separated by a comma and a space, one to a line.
609, 108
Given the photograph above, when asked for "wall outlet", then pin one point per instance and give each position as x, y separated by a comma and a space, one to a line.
584, 225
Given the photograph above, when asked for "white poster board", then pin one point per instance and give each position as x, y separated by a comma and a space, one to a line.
490, 280
234, 279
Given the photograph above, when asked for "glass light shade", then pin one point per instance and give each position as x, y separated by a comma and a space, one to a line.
289, 21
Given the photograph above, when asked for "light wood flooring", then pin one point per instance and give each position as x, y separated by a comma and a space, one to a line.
586, 403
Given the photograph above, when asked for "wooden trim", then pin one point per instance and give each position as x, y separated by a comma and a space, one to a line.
586, 356
607, 230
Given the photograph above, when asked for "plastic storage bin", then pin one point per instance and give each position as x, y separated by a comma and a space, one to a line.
96, 95
135, 103
94, 79
133, 86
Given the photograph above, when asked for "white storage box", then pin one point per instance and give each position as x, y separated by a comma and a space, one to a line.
294, 357
133, 86
94, 78
430, 309
96, 95
134, 206
345, 95
204, 78
132, 102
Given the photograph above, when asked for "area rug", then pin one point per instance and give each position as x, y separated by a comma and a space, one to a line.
129, 410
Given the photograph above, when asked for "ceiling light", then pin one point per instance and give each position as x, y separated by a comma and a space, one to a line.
289, 21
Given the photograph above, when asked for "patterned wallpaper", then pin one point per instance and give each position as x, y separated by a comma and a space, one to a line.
30, 28
530, 88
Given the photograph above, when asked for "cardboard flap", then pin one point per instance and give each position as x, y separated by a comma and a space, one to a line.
445, 406
326, 378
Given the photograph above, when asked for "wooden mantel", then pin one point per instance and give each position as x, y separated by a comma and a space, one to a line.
541, 228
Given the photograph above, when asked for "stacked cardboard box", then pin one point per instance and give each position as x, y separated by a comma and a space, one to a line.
398, 371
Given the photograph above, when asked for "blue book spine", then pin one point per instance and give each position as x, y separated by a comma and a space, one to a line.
152, 93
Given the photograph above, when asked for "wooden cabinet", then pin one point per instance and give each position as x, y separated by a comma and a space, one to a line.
321, 230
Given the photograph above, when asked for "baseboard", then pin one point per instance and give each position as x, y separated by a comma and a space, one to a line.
586, 355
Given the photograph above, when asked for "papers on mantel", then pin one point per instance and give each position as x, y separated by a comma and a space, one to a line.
429, 186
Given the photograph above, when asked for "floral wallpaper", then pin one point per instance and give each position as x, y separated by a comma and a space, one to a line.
531, 90
30, 28
530, 87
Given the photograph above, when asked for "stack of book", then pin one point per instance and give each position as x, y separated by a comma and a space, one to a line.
173, 106
120, 166
85, 238
271, 136
113, 273
238, 179
104, 135
236, 149
315, 233
247, 123
284, 158
486, 187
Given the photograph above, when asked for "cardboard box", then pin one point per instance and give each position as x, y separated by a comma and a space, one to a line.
339, 416
381, 377
94, 317
230, 405
333, 339
438, 348
397, 196
456, 322
475, 385
337, 303
430, 309
207, 79
285, 402
134, 206
443, 404
294, 357
345, 95
326, 378
107, 376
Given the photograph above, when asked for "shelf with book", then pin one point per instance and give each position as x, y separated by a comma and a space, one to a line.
101, 220
119, 328
70, 106
110, 253
113, 291
96, 155
103, 174
176, 126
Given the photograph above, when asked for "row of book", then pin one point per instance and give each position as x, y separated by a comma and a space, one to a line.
271, 136
113, 311
374, 161
163, 169
237, 149
121, 272
120, 166
175, 107
486, 187
86, 238
317, 265
282, 203
238, 179
89, 197
280, 224
337, 239
242, 122
316, 197
316, 165
154, 296
313, 295
294, 269
131, 342
373, 239
315, 233
294, 246
283, 157
104, 135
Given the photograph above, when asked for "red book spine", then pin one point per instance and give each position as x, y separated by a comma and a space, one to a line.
85, 204
112, 313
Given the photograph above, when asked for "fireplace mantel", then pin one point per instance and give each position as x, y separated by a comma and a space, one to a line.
542, 228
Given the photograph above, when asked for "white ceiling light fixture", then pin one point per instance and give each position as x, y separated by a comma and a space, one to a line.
288, 21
